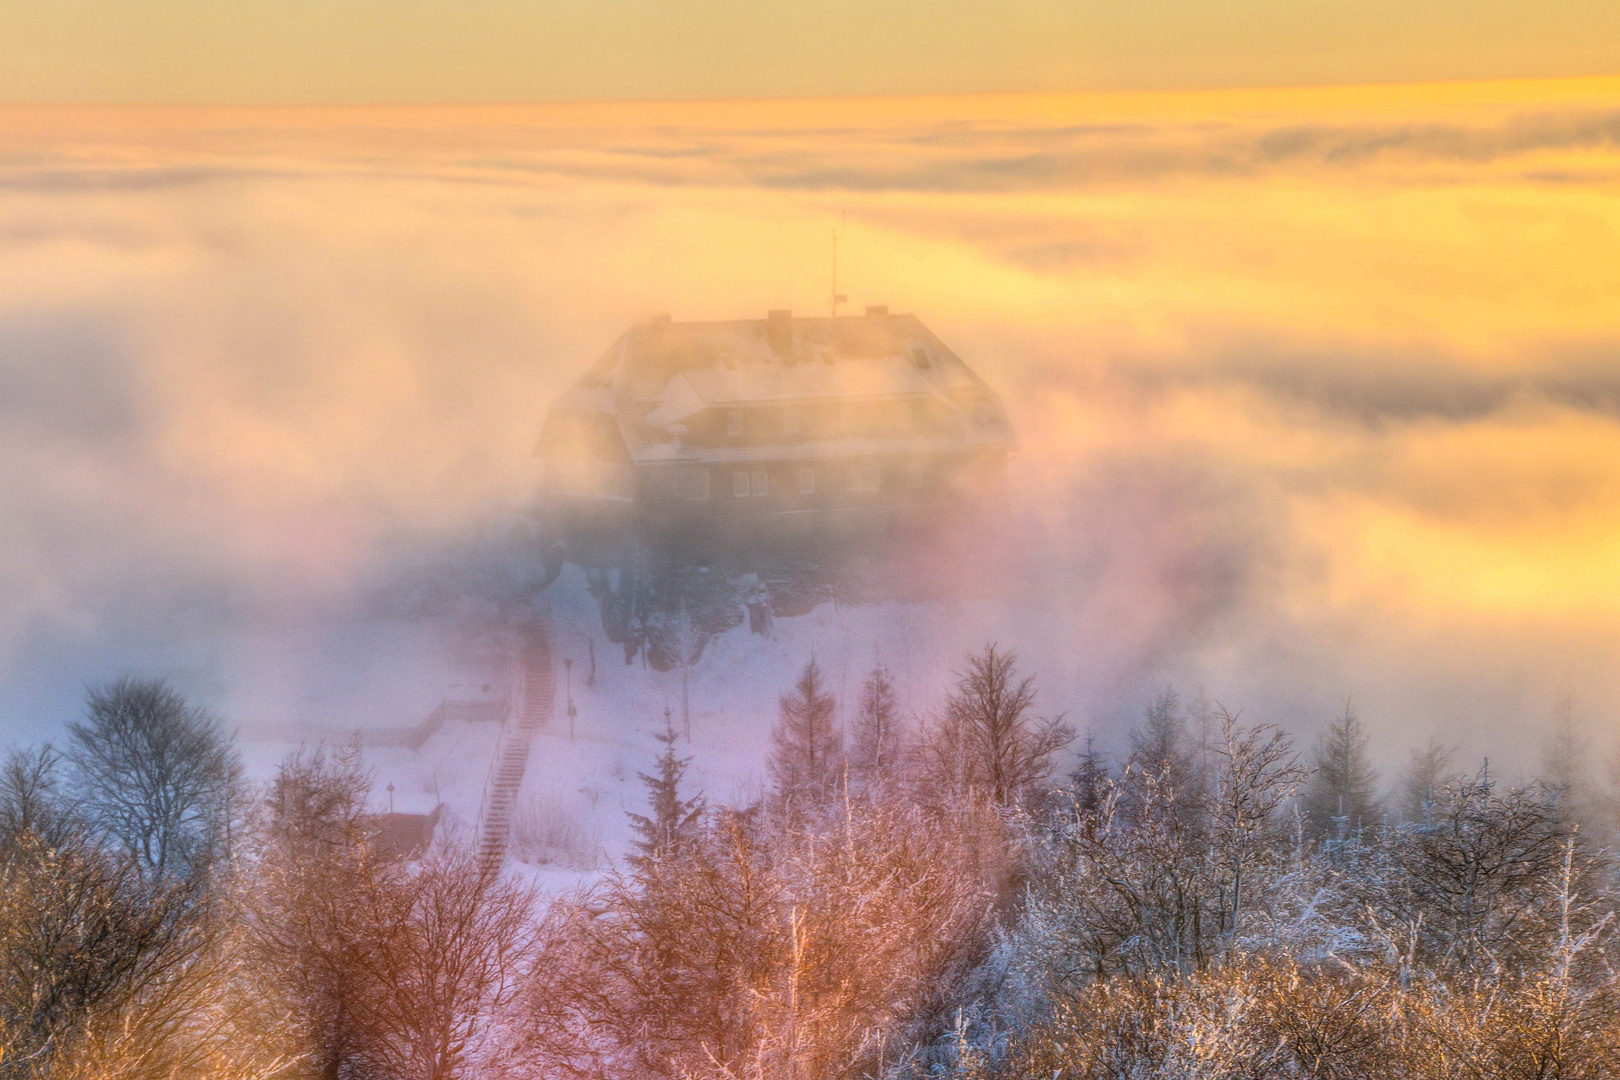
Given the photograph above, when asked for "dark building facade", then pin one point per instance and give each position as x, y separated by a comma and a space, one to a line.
781, 419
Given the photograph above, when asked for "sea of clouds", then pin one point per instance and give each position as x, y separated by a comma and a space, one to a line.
1317, 397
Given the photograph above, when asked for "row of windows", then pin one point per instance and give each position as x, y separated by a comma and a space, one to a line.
692, 483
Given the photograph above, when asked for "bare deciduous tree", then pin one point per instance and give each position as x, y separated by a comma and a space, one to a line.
154, 774
449, 941
1258, 772
319, 898
30, 799
1470, 881
85, 936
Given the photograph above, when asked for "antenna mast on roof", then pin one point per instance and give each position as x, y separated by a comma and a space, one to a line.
837, 297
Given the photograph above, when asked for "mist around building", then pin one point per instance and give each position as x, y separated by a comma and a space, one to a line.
1163, 628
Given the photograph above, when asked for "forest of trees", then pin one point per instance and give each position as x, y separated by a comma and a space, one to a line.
915, 894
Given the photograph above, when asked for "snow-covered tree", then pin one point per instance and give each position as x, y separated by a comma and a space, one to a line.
1162, 746
1566, 762
988, 739
1341, 799
806, 745
875, 744
670, 817
1427, 772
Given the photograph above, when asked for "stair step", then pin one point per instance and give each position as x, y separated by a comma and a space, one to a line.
538, 690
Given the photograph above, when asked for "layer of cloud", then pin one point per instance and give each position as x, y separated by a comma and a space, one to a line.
1310, 404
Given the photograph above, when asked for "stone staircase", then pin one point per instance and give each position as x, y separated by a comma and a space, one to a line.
533, 711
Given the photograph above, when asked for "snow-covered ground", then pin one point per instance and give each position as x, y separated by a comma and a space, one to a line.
322, 682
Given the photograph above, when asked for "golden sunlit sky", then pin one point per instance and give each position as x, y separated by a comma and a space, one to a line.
419, 51
1318, 390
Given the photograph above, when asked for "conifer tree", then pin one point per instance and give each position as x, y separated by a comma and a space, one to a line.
1341, 800
1089, 780
1005, 749
807, 748
1565, 759
1426, 774
671, 818
876, 737
1162, 747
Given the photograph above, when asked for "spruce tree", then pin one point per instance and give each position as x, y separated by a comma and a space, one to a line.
1566, 761
672, 818
1161, 747
807, 749
1342, 799
1089, 780
1427, 772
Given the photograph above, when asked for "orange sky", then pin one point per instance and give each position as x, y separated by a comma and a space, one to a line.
326, 51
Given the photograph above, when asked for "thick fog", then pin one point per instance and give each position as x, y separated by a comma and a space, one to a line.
1317, 395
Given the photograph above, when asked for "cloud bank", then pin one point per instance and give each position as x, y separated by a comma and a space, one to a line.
1316, 397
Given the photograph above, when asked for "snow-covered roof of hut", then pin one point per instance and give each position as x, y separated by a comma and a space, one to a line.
661, 372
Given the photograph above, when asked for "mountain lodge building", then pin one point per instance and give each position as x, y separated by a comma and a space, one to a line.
781, 417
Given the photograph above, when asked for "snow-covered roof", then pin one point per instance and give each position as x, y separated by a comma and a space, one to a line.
700, 388
662, 373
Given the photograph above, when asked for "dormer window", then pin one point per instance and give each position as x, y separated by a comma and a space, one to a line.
734, 422
919, 358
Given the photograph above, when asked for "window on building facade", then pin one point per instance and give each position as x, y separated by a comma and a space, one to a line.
761, 483
807, 481
739, 484
734, 422
792, 421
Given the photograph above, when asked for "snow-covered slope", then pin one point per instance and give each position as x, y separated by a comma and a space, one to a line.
325, 682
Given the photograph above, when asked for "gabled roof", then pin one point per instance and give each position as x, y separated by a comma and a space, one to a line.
659, 373
888, 377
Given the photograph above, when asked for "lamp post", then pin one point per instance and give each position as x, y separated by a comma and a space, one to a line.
568, 677
390, 790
